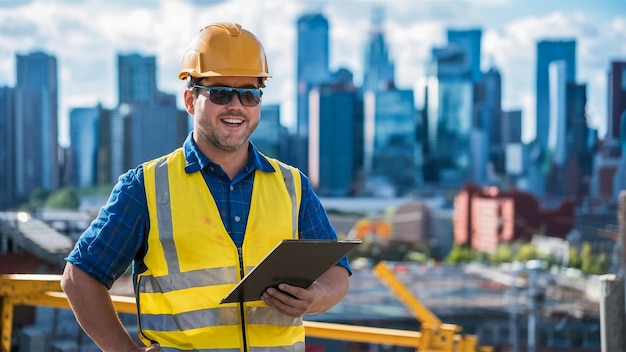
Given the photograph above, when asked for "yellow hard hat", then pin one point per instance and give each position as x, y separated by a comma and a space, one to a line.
224, 49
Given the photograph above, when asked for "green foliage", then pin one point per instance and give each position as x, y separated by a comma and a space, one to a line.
416, 257
526, 252
37, 199
598, 266
65, 198
460, 254
592, 263
585, 259
586, 253
502, 254
98, 191
553, 261
574, 260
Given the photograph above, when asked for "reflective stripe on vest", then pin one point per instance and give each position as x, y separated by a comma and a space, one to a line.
213, 317
179, 306
164, 215
291, 188
297, 347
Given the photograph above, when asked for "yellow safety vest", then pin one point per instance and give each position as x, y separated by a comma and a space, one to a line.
192, 262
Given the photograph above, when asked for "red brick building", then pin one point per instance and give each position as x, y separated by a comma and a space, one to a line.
486, 217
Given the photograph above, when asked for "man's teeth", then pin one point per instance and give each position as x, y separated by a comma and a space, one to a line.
236, 121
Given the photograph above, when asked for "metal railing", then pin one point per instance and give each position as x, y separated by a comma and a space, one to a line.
45, 290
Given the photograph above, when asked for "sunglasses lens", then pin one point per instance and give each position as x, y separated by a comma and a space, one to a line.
249, 99
221, 96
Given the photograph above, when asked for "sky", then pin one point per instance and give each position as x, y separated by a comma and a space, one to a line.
87, 35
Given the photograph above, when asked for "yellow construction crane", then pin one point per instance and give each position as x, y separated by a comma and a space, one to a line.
435, 335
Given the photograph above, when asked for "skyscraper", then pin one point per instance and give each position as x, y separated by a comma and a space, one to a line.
616, 98
579, 150
378, 70
488, 123
312, 59
389, 120
84, 140
450, 108
512, 144
146, 123
390, 138
313, 48
547, 52
488, 106
469, 41
136, 82
332, 136
270, 134
36, 124
557, 127
511, 127
7, 147
566, 161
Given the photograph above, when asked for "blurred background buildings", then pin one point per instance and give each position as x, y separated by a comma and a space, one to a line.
368, 140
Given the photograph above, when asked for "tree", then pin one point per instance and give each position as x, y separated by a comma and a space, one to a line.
586, 257
526, 252
592, 263
574, 260
416, 257
460, 254
502, 254
37, 199
65, 198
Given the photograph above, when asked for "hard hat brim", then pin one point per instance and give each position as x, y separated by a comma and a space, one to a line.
234, 73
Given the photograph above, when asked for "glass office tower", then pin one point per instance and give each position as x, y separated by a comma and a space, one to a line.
450, 112
36, 124
390, 144
331, 139
312, 59
547, 52
84, 141
147, 122
7, 148
378, 70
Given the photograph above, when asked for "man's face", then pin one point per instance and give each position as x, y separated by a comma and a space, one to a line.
224, 127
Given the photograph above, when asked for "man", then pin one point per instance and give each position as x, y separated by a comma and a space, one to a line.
195, 221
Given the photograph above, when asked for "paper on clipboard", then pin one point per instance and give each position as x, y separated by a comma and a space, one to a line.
295, 262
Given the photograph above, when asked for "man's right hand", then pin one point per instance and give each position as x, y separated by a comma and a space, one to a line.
91, 302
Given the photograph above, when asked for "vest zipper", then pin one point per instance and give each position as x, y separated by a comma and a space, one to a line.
242, 308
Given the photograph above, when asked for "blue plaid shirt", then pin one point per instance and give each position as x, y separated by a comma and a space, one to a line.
117, 237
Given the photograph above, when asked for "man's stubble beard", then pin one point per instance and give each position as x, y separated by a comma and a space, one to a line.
222, 143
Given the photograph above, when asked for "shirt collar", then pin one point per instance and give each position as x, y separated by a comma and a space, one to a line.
195, 160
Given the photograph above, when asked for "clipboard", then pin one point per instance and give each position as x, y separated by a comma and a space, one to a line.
294, 262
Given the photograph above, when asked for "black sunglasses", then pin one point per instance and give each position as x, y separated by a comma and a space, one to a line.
223, 95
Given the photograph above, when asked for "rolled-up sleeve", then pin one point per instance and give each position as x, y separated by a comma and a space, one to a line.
313, 221
113, 240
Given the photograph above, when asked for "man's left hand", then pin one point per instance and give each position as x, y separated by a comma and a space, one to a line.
291, 300
322, 295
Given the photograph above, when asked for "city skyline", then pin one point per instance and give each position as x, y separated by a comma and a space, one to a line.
86, 47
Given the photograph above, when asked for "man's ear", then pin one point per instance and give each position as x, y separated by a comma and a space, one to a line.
189, 101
